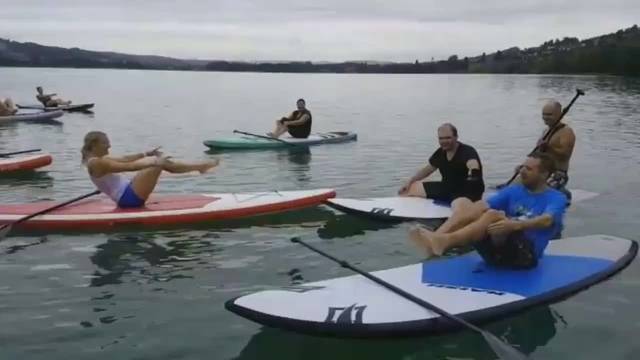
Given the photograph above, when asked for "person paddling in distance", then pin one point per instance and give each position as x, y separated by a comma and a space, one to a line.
104, 170
511, 228
298, 123
48, 100
7, 108
459, 166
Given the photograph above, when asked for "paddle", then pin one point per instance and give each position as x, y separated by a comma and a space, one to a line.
6, 228
19, 152
502, 349
552, 130
265, 137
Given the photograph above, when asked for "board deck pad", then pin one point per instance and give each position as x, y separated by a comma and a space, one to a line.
410, 208
104, 205
354, 306
100, 212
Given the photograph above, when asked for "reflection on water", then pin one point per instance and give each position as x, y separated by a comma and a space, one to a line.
346, 225
34, 179
50, 124
527, 332
142, 258
18, 247
299, 160
163, 255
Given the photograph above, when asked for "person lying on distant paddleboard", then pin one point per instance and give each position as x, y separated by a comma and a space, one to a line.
559, 146
298, 123
510, 229
104, 170
459, 165
7, 107
48, 99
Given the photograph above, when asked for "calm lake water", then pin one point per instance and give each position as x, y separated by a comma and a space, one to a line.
159, 294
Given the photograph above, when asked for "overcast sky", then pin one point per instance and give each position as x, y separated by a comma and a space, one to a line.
319, 30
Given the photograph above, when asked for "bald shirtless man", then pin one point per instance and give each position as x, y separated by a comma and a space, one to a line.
559, 146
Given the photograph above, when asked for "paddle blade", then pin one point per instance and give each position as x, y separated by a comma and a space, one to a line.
502, 349
4, 231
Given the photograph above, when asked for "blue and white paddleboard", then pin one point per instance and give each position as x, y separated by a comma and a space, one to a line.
413, 208
465, 286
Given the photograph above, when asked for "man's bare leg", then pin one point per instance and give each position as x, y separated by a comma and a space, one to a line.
416, 189
436, 244
464, 211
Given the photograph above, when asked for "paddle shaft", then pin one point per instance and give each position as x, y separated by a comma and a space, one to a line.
49, 209
552, 130
393, 288
19, 152
265, 137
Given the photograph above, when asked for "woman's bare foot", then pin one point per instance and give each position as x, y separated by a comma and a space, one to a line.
208, 165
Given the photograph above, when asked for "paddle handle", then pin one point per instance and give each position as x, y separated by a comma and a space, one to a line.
391, 287
19, 152
264, 137
53, 208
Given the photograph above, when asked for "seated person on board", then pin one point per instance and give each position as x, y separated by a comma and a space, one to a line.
512, 228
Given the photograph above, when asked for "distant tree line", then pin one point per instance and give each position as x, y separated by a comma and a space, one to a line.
615, 53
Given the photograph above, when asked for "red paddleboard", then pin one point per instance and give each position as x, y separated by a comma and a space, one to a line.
23, 163
100, 212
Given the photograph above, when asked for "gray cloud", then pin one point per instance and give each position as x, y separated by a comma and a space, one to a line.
400, 30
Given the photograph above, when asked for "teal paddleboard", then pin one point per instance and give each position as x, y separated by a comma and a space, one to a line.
254, 142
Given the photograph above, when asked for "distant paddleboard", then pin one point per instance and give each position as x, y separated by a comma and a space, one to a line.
253, 142
70, 108
24, 163
42, 116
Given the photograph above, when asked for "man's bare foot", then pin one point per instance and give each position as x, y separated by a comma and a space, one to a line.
429, 240
416, 236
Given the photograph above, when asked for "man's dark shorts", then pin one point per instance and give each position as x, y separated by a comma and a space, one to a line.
438, 191
516, 252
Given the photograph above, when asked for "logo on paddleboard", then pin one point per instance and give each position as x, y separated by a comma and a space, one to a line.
381, 211
346, 315
466, 288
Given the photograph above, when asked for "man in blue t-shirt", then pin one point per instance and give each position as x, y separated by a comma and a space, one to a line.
512, 228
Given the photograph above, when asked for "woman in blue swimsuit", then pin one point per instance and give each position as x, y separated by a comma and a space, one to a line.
130, 193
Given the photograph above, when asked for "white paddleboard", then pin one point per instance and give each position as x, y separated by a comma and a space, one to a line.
355, 306
414, 208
